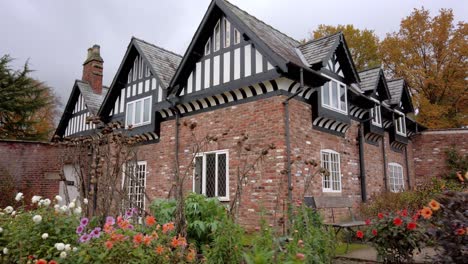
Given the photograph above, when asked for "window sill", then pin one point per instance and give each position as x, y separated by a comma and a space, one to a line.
330, 191
401, 134
139, 125
335, 109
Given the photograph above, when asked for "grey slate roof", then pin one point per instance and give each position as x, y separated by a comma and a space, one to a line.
396, 89
281, 44
163, 62
369, 79
92, 100
317, 50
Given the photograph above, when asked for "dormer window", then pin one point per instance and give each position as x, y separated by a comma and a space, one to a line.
208, 47
334, 96
400, 125
376, 116
237, 36
217, 37
227, 33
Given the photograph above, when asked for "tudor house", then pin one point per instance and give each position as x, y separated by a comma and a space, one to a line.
238, 77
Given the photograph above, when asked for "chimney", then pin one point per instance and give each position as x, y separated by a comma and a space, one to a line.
92, 69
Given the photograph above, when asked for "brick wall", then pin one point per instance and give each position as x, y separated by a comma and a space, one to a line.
28, 167
430, 148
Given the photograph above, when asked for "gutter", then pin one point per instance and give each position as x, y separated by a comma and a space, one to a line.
362, 166
384, 158
407, 168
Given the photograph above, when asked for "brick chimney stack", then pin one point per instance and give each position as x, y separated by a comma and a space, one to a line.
92, 69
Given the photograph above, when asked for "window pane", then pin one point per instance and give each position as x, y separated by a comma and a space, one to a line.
237, 36
343, 97
146, 110
227, 33
138, 112
207, 47
217, 36
198, 174
130, 114
334, 98
326, 93
210, 174
222, 175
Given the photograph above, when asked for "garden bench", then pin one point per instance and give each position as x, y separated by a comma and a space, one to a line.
331, 202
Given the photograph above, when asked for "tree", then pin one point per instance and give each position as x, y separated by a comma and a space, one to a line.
430, 53
27, 106
363, 44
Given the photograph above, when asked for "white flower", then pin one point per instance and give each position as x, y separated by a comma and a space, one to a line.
63, 254
8, 209
75, 249
67, 247
57, 207
1, 230
19, 196
72, 205
46, 202
5, 251
13, 213
77, 210
35, 199
60, 246
45, 236
64, 208
85, 201
37, 219
58, 198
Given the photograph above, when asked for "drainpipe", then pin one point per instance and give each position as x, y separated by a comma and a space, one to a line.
362, 166
384, 158
288, 146
407, 168
176, 143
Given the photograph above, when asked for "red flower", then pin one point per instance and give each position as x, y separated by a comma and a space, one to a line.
368, 221
460, 231
53, 262
150, 220
397, 221
374, 232
380, 215
109, 244
41, 261
411, 225
360, 234
138, 238
404, 212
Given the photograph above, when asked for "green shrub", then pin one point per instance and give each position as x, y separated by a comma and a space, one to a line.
227, 244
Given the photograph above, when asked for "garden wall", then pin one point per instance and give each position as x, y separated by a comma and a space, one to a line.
430, 148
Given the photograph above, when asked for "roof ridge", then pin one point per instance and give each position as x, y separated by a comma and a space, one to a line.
153, 45
314, 40
261, 21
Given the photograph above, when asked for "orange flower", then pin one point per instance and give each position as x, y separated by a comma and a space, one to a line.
460, 177
124, 224
411, 225
168, 227
174, 242
108, 228
159, 250
191, 255
154, 235
397, 221
426, 212
147, 240
41, 261
182, 242
359, 234
150, 220
117, 237
138, 238
460, 231
434, 205
109, 244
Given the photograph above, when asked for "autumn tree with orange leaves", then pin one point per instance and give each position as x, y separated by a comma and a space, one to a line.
431, 54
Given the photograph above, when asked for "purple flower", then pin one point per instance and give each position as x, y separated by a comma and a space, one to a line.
96, 232
110, 220
79, 229
128, 214
84, 238
84, 221
130, 227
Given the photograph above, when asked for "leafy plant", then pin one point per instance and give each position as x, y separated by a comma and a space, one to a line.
227, 244
457, 164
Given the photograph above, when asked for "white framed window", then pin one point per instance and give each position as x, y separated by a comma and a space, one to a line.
237, 36
135, 68
334, 96
227, 33
140, 68
376, 116
134, 182
208, 47
217, 37
400, 125
331, 162
395, 177
211, 174
138, 112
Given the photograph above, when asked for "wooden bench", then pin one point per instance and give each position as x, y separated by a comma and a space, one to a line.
332, 203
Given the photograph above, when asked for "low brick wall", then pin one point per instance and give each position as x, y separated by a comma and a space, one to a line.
430, 147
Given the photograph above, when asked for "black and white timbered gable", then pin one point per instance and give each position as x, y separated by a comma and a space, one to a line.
140, 83
82, 103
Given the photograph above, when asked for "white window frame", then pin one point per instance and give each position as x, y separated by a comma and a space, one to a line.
140, 68
203, 191
400, 122
376, 116
142, 122
237, 36
227, 33
333, 173
127, 188
208, 47
135, 67
330, 96
396, 177
217, 36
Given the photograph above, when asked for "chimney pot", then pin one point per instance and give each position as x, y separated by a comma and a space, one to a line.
92, 69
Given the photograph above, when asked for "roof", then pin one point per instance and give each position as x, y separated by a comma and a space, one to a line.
369, 79
280, 43
92, 100
318, 50
396, 89
163, 62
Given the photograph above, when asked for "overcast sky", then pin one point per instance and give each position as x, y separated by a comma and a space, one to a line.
54, 35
